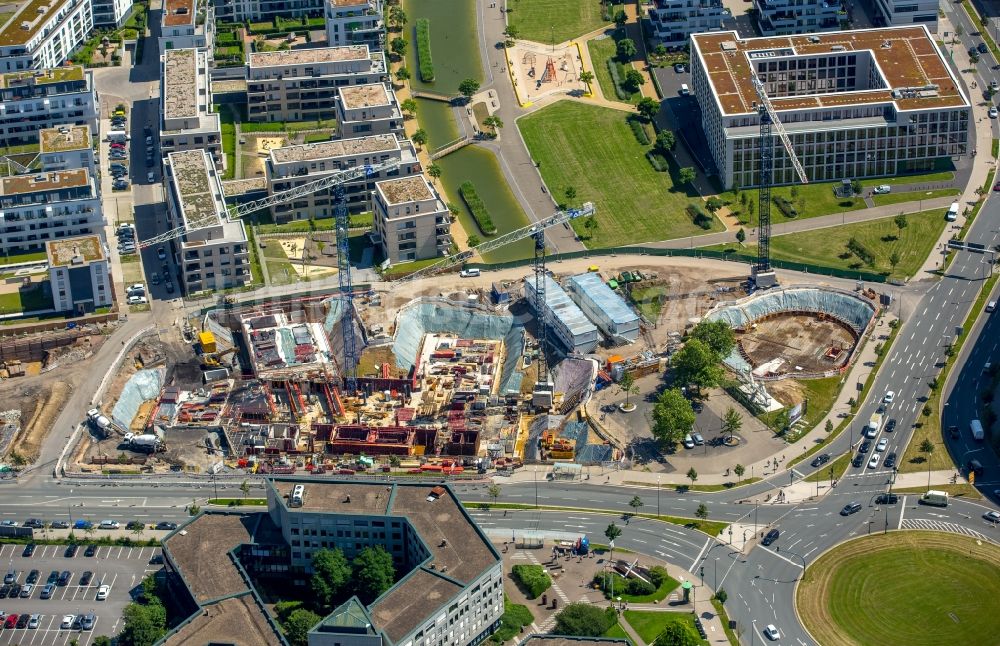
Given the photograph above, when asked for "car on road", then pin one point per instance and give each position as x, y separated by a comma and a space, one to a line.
29, 549
771, 537
26, 590
850, 508
973, 53
886, 499
166, 524
820, 460
890, 461
91, 550
161, 253
874, 460
992, 516
982, 48
882, 189
890, 397
47, 591
991, 306
772, 633
102, 592
993, 112
170, 286
67, 621
890, 426
71, 550
882, 444
679, 68
858, 460
865, 446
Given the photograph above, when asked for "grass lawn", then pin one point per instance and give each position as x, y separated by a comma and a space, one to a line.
228, 141
648, 625
279, 268
25, 300
957, 490
839, 466
913, 196
601, 51
593, 149
649, 300
820, 393
5, 16
406, 268
914, 588
661, 593
31, 256
541, 20
616, 632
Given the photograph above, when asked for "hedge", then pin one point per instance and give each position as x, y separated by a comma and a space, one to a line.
617, 80
658, 161
424, 60
699, 217
475, 204
532, 579
639, 131
785, 206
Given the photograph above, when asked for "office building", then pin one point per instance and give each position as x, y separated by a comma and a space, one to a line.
862, 103
213, 254
38, 208
301, 84
354, 22
368, 110
567, 321
66, 148
784, 17
265, 10
111, 13
449, 589
292, 166
411, 221
674, 20
35, 100
43, 33
185, 103
896, 13
187, 24
79, 274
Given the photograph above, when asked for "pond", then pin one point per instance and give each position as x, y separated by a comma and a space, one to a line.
454, 43
438, 121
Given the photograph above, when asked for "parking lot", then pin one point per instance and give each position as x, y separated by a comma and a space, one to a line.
120, 568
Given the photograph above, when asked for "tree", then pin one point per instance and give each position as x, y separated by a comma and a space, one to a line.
409, 106
397, 16
590, 224
493, 491
687, 175
138, 529
612, 532
474, 240
732, 422
673, 417
697, 364
145, 624
374, 573
625, 49
626, 385
194, 509
398, 46
570, 193
511, 32
620, 19
900, 221
402, 74
648, 107
717, 335
419, 137
298, 624
434, 171
676, 634
692, 475
635, 504
101, 640
829, 426
741, 236
584, 620
702, 512
927, 447
331, 576
633, 80
666, 140
739, 470
245, 488
494, 122
468, 87
894, 259
587, 77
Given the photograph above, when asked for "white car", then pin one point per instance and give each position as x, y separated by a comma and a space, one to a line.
67, 621
881, 446
161, 253
137, 300
469, 273
882, 189
136, 287
993, 113
873, 463
102, 592
34, 621
109, 524
992, 516
889, 397
150, 177
772, 633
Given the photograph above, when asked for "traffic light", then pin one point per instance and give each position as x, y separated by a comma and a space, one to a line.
702, 571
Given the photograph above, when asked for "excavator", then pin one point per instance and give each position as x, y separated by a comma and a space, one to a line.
209, 361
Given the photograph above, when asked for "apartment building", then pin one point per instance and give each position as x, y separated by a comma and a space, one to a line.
895, 13
36, 209
66, 148
293, 166
43, 33
111, 13
187, 24
411, 221
185, 100
301, 84
674, 20
354, 22
861, 103
783, 17
264, 10
34, 100
79, 274
213, 254
368, 110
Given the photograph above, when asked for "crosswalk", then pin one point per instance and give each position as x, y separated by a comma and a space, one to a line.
937, 525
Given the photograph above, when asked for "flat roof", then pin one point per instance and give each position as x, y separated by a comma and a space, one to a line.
907, 57
192, 175
563, 307
340, 497
63, 138
562, 640
348, 3
63, 251
591, 285
405, 189
43, 77
364, 96
33, 14
40, 182
179, 12
200, 552
408, 604
219, 623
309, 56
336, 148
180, 76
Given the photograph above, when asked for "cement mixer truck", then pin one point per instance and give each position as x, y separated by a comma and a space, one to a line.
147, 442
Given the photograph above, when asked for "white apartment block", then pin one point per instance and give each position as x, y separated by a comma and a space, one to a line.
43, 33
186, 24
261, 10
34, 100
79, 274
783, 17
66, 148
411, 221
111, 13
213, 254
896, 13
293, 166
368, 110
674, 20
861, 103
301, 84
185, 103
354, 22
36, 209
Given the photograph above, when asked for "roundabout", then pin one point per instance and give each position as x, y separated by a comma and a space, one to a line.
914, 588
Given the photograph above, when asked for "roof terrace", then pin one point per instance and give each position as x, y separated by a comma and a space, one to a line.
179, 13
310, 56
180, 71
26, 22
334, 149
64, 138
74, 251
355, 97
405, 189
43, 77
192, 176
42, 182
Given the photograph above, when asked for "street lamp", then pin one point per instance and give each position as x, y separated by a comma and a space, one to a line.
657, 497
716, 586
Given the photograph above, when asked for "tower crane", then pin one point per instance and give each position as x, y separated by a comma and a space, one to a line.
763, 276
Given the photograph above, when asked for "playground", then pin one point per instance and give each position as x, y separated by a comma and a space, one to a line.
542, 70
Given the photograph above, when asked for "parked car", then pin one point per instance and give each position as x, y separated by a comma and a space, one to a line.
771, 537
22, 621
9, 523
698, 439
166, 525
170, 287
993, 112
91, 550
87, 621
34, 621
102, 592
86, 577
135, 524
133, 300
29, 549
71, 550
59, 524
33, 577
67, 621
109, 524
26, 590
64, 578
679, 68
47, 591
53, 576
150, 177
11, 621
820, 460
882, 189
34, 523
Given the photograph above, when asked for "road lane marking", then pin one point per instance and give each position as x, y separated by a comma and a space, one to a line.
698, 558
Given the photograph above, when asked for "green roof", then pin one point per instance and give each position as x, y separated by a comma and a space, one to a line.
51, 75
34, 12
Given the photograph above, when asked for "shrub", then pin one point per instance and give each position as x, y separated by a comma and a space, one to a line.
532, 579
785, 206
616, 78
699, 217
638, 587
861, 251
424, 60
658, 162
714, 204
514, 617
475, 204
639, 131
658, 574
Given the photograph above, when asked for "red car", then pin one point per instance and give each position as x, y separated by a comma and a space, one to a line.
11, 621
996, 187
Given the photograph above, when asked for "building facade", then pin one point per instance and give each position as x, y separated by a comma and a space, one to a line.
410, 221
213, 254
301, 84
36, 209
293, 166
43, 33
354, 22
673, 21
35, 100
565, 319
896, 13
79, 274
66, 148
864, 103
186, 122
784, 17
262, 10
111, 13
368, 110
187, 24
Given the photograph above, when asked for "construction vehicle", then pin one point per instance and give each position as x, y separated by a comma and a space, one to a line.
147, 442
214, 360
